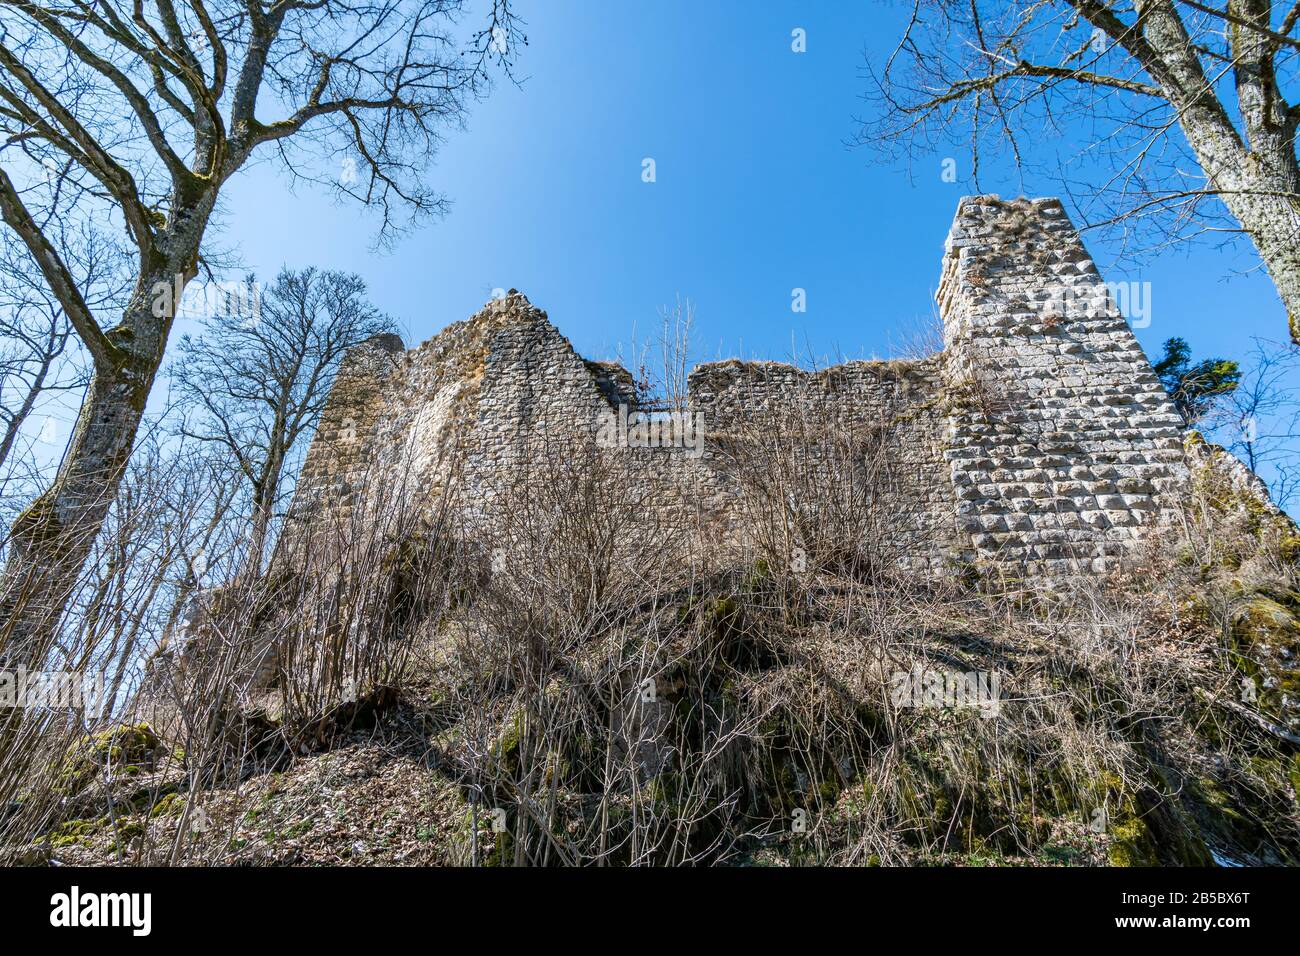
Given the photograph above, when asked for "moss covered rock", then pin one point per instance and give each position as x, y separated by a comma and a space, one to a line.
1266, 648
125, 749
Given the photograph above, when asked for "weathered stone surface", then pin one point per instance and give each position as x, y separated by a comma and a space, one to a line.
1039, 440
1059, 379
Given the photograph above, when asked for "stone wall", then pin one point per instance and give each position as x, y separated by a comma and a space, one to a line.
1063, 443
896, 413
1039, 440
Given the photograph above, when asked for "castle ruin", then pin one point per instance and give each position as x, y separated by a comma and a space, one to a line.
1039, 440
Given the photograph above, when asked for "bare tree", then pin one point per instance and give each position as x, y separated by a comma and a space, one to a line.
36, 361
255, 383
1259, 420
663, 362
675, 344
139, 115
1185, 104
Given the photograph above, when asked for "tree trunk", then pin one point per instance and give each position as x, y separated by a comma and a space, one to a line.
265, 492
51, 540
1257, 176
1263, 196
1273, 224
263, 501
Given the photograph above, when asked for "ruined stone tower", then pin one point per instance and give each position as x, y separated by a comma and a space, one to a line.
1082, 446
1038, 441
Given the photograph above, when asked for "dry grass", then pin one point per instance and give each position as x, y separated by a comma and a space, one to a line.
574, 678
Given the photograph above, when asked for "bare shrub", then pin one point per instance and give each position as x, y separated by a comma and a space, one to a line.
821, 489
596, 681
62, 760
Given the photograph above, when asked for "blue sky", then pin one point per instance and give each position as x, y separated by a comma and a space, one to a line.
757, 193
